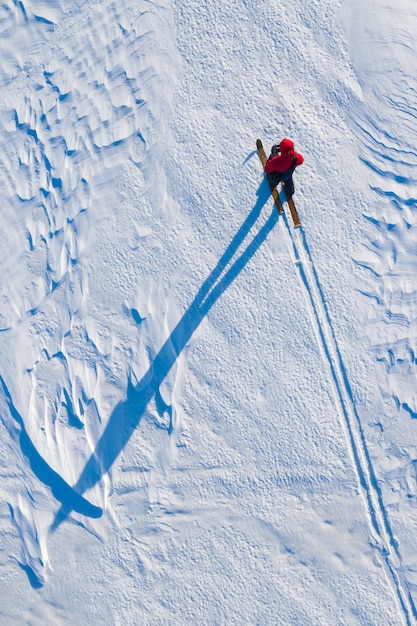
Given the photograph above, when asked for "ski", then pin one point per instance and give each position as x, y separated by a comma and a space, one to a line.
274, 191
294, 213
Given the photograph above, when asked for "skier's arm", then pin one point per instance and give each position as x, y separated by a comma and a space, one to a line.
270, 165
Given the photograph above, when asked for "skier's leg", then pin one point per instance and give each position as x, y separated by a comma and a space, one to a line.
289, 188
274, 178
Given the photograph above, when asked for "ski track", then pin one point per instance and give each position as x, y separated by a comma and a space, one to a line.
382, 536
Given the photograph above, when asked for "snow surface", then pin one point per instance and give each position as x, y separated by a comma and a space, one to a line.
207, 417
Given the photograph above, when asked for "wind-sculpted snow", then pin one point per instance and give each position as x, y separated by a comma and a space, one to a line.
90, 112
386, 127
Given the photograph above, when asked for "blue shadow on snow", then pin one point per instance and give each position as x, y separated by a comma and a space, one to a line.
129, 412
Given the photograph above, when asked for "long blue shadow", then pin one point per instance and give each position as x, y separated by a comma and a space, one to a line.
62, 491
129, 412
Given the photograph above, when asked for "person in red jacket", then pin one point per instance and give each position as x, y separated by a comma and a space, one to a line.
281, 165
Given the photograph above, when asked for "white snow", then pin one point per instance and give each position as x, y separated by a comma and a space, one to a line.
207, 416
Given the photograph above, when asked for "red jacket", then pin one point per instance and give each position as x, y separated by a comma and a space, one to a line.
283, 161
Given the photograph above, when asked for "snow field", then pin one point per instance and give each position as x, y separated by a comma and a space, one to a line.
195, 426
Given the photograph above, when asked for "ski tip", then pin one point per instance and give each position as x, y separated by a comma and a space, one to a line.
258, 143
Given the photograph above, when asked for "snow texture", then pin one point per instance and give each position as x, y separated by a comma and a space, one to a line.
206, 415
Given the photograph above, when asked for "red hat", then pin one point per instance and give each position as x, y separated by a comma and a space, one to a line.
286, 147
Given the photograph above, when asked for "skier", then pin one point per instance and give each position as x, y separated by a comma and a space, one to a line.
281, 165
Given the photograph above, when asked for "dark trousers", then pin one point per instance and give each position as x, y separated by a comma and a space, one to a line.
277, 177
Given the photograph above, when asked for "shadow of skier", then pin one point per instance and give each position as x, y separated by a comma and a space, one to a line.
129, 412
